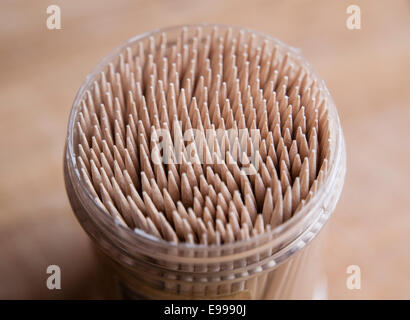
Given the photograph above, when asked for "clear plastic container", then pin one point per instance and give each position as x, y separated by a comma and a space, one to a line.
281, 264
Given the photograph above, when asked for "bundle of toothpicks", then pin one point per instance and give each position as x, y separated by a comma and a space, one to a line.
214, 138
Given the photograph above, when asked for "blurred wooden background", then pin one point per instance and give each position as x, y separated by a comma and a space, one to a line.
367, 72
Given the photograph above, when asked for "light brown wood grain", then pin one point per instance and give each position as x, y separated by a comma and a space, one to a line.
367, 72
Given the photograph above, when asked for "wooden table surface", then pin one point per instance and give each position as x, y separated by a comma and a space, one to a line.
367, 72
